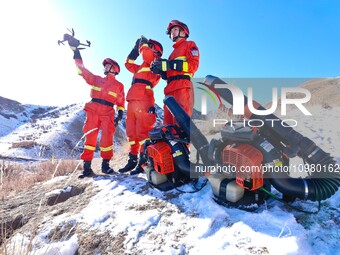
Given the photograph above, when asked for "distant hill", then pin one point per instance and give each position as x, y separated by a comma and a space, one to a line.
325, 93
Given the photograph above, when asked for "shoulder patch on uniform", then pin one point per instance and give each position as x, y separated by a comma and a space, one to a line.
194, 51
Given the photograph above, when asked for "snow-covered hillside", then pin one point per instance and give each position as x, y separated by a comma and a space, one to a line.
38, 132
120, 214
31, 132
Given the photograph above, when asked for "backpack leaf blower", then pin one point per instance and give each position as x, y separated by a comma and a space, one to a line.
243, 164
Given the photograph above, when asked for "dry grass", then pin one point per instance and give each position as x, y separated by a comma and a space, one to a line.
24, 144
15, 177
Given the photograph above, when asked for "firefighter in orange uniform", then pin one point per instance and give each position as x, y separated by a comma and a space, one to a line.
100, 113
178, 70
140, 116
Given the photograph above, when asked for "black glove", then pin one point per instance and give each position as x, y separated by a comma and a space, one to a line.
133, 55
142, 40
137, 44
134, 52
73, 43
159, 65
119, 117
76, 54
152, 110
156, 68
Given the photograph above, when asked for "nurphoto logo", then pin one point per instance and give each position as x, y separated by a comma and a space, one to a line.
246, 105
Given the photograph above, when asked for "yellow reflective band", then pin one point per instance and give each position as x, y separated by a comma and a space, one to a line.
132, 142
131, 61
189, 74
185, 66
120, 108
184, 58
144, 69
177, 153
96, 88
278, 163
89, 147
79, 70
142, 142
148, 87
111, 93
164, 64
106, 149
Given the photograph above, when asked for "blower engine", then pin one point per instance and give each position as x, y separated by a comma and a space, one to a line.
242, 159
243, 164
167, 154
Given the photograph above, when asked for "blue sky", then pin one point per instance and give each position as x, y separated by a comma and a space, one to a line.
237, 39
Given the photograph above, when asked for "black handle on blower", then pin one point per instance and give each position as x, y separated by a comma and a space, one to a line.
199, 141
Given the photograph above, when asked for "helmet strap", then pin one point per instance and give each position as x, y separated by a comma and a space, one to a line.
178, 36
109, 71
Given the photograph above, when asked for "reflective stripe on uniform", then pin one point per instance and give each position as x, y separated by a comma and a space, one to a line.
131, 61
143, 141
144, 69
89, 147
120, 108
132, 142
79, 70
111, 93
164, 66
106, 148
185, 66
184, 58
96, 88
148, 87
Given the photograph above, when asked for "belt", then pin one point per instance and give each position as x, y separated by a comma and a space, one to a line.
102, 101
142, 81
178, 77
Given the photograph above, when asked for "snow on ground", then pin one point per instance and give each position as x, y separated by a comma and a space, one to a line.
195, 224
155, 222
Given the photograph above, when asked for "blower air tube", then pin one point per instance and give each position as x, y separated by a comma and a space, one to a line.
321, 184
181, 162
198, 140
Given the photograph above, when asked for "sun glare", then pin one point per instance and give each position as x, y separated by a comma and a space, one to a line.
36, 70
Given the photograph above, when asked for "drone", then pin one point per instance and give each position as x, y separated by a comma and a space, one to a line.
73, 41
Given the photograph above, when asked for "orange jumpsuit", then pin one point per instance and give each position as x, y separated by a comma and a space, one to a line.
178, 82
100, 113
140, 98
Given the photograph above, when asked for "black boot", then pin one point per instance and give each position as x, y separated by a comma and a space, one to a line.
87, 170
131, 164
139, 169
106, 169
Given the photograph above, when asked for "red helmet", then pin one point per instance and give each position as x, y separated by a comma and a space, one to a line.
157, 45
176, 22
115, 67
